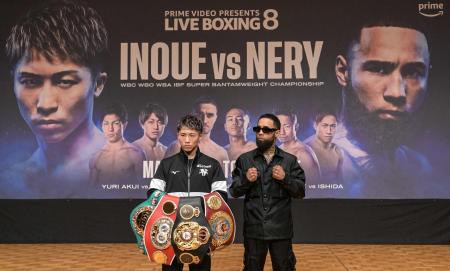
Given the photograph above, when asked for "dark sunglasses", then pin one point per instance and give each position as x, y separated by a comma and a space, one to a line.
264, 129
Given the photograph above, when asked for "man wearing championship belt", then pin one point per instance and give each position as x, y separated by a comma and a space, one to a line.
268, 177
189, 173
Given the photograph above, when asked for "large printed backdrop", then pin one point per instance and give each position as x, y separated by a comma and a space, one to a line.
321, 28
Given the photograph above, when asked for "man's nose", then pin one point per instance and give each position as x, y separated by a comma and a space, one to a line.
111, 127
47, 99
395, 91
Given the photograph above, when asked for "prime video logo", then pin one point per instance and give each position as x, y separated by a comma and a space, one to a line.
431, 9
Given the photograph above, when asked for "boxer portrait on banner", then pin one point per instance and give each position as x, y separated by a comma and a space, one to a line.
153, 119
118, 162
56, 52
236, 125
328, 154
384, 78
291, 144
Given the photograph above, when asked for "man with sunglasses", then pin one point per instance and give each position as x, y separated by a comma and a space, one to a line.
268, 177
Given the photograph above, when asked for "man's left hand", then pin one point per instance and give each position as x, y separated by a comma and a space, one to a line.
278, 173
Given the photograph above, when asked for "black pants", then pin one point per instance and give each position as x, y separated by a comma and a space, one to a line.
204, 265
283, 258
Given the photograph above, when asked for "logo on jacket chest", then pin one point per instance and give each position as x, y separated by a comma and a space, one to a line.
203, 172
203, 169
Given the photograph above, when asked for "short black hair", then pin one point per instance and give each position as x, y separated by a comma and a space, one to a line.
158, 110
245, 111
322, 114
190, 122
287, 111
204, 100
117, 109
60, 29
381, 13
238, 108
275, 119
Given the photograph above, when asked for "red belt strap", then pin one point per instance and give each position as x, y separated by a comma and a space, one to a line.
158, 231
221, 220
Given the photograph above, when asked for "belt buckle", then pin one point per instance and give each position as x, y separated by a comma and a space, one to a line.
161, 233
190, 236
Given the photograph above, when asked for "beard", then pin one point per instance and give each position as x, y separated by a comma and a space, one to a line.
373, 133
264, 145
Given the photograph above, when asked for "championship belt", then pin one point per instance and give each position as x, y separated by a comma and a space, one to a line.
221, 220
192, 234
159, 229
181, 228
140, 215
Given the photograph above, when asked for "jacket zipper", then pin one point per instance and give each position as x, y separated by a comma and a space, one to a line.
189, 170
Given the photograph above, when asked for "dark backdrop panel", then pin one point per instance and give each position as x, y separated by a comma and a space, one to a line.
327, 21
315, 221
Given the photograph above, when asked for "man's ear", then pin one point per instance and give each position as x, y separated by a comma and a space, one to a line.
100, 82
277, 133
341, 70
125, 125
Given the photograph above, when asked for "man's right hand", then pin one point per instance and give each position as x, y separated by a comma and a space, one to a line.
252, 174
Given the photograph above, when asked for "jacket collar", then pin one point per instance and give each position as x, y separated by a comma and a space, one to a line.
260, 153
183, 155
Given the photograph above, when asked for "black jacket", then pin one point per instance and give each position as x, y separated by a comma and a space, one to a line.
267, 203
172, 176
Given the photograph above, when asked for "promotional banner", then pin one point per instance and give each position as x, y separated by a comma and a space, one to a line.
91, 94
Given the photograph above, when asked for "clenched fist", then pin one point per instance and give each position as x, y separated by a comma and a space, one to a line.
278, 173
252, 174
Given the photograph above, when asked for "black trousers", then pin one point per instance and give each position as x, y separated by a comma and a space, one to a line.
281, 253
204, 265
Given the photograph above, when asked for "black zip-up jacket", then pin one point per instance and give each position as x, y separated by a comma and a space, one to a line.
267, 203
177, 175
